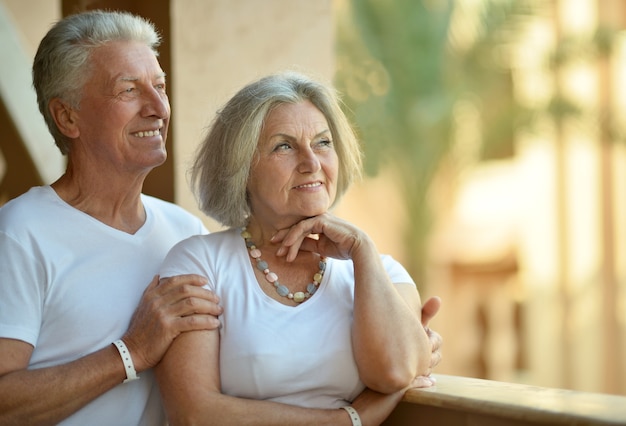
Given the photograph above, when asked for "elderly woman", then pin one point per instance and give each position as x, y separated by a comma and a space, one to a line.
314, 317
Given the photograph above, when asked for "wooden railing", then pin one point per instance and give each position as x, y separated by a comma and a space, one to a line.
456, 401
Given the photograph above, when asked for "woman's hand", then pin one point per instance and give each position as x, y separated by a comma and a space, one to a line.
325, 234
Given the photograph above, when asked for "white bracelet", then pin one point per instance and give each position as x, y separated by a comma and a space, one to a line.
131, 374
354, 416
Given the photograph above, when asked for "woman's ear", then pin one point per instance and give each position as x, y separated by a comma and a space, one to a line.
64, 117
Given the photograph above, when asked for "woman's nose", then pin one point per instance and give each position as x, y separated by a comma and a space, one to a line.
309, 162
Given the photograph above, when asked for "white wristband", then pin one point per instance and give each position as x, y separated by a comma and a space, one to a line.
354, 416
131, 374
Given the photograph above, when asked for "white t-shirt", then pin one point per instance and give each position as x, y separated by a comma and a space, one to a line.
298, 355
69, 285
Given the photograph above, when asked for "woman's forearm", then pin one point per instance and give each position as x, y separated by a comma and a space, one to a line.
223, 410
389, 343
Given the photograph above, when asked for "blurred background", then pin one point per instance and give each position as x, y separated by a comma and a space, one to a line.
494, 138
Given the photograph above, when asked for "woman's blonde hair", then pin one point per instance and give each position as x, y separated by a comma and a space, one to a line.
220, 172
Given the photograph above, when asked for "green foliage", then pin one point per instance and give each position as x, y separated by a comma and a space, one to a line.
405, 66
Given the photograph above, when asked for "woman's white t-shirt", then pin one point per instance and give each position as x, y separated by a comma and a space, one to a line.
298, 355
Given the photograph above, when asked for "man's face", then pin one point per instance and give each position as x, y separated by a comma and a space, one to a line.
124, 110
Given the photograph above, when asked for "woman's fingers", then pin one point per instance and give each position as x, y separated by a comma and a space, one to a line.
324, 234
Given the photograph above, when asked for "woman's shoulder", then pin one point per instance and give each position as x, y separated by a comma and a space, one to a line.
214, 241
396, 271
200, 254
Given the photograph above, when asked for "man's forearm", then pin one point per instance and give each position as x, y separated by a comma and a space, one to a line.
49, 395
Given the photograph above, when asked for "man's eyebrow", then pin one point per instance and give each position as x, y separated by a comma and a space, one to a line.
128, 78
133, 78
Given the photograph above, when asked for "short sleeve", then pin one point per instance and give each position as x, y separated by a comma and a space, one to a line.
22, 292
397, 273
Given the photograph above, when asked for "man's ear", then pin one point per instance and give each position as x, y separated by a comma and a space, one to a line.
64, 117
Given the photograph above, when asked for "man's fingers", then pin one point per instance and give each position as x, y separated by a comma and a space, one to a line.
186, 286
198, 322
185, 296
422, 382
179, 280
435, 339
430, 309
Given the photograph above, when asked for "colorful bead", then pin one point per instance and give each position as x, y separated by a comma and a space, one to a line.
272, 278
282, 290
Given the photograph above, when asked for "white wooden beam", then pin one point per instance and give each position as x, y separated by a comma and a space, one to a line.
21, 102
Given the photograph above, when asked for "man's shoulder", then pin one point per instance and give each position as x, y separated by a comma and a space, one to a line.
171, 213
165, 207
34, 204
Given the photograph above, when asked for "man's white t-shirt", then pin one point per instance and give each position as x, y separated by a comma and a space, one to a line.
69, 285
298, 355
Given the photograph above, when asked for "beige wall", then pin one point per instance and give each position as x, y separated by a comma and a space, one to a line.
219, 46
34, 17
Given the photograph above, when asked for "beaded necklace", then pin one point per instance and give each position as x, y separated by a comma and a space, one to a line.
272, 278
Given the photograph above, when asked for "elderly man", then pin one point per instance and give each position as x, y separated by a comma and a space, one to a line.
77, 324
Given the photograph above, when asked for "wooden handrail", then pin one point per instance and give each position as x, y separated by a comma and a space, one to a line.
468, 401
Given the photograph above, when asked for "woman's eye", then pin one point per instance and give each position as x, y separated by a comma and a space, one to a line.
324, 143
282, 147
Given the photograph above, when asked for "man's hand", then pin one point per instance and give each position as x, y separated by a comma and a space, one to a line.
169, 307
429, 310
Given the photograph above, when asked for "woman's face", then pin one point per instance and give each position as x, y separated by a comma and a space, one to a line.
295, 171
